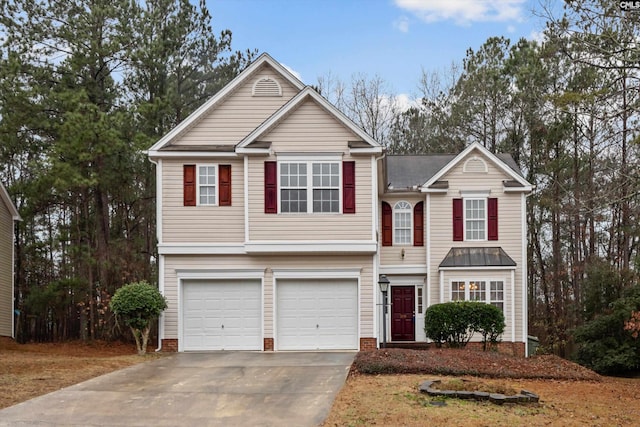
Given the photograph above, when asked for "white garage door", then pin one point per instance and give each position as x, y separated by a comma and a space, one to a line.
221, 315
317, 314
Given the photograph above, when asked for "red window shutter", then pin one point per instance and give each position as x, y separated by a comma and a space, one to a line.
492, 216
224, 185
270, 187
418, 224
458, 221
189, 184
349, 187
387, 224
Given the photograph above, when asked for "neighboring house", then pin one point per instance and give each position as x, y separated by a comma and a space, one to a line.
8, 214
274, 226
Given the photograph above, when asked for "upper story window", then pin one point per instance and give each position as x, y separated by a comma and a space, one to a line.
319, 192
316, 186
207, 184
402, 223
475, 219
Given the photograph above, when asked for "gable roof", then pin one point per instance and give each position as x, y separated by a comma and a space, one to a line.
407, 172
13, 211
197, 115
304, 95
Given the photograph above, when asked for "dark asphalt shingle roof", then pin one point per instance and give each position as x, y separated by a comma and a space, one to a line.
408, 171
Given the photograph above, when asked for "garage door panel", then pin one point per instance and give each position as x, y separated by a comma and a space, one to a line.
222, 315
317, 314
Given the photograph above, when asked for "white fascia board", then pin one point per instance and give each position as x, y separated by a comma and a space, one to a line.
525, 189
494, 159
201, 248
190, 154
245, 150
434, 190
329, 273
204, 108
403, 269
372, 150
13, 211
483, 268
290, 106
329, 246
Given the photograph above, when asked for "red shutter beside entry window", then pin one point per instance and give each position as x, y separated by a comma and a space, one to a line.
224, 192
387, 224
418, 224
189, 183
349, 187
458, 221
271, 187
492, 215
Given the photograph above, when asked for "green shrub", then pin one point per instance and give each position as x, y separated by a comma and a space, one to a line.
137, 304
454, 323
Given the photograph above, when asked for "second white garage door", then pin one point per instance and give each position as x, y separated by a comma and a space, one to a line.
317, 314
222, 315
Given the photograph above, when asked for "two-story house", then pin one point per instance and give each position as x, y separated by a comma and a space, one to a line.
8, 216
277, 215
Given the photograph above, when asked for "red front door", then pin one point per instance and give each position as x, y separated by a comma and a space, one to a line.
403, 305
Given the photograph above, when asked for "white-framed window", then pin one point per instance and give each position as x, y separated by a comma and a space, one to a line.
309, 187
402, 223
488, 291
207, 185
420, 291
475, 218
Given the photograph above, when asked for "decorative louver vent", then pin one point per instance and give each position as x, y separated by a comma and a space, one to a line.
267, 87
475, 165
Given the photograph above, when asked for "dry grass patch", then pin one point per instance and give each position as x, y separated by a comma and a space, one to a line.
394, 400
31, 370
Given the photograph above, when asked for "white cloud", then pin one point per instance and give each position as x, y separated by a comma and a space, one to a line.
463, 12
511, 29
537, 36
402, 24
403, 102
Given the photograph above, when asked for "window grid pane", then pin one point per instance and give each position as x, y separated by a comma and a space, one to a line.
497, 294
326, 187
477, 291
458, 291
207, 185
402, 223
293, 187
475, 215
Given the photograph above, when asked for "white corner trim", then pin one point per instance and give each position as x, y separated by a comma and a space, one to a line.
245, 184
200, 248
525, 285
513, 306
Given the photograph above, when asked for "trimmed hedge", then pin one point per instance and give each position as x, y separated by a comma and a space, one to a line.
454, 323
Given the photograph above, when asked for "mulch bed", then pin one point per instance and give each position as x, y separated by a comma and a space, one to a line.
458, 362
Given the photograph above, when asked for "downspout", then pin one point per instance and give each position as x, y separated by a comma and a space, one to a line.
159, 238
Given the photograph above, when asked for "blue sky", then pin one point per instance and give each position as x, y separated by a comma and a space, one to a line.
393, 39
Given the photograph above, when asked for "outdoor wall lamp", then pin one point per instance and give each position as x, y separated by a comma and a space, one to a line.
384, 282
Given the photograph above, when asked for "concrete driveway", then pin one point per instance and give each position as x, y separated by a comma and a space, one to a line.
198, 389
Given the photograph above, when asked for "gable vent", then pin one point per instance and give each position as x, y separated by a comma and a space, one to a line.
475, 165
266, 86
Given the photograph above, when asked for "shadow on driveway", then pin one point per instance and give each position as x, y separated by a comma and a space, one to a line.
198, 389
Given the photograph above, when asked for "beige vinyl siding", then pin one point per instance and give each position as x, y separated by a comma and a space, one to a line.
269, 263
6, 271
488, 275
199, 224
392, 255
239, 113
509, 225
310, 129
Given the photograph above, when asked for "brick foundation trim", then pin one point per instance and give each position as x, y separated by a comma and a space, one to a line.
170, 345
368, 344
268, 344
